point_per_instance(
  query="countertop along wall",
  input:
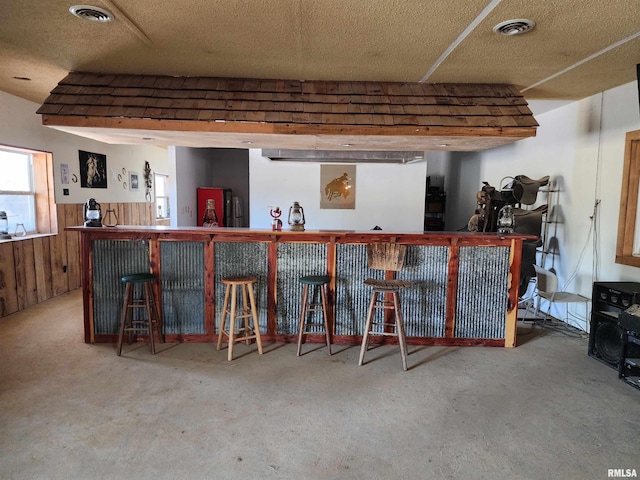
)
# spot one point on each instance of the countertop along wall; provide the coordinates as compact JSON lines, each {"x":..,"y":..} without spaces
{"x":388,"y":195}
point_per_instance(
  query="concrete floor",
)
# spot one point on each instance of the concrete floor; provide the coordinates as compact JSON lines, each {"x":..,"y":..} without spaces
{"x":544,"y":410}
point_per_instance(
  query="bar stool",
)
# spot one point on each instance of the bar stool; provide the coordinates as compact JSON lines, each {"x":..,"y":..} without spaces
{"x":385,"y":256}
{"x":319,"y":282}
{"x":251,"y":329}
{"x":147,"y":325}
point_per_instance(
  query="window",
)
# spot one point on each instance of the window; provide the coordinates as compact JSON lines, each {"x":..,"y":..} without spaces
{"x":161,"y":183}
{"x":17,"y":191}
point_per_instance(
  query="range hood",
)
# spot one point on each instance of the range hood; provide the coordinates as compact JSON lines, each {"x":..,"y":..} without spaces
{"x":337,"y":156}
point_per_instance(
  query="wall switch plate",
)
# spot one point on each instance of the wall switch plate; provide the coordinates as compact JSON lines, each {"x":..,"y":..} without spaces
{"x":65,"y":191}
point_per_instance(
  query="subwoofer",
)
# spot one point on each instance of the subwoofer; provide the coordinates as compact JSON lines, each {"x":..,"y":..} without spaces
{"x":606,"y":341}
{"x":609,"y":299}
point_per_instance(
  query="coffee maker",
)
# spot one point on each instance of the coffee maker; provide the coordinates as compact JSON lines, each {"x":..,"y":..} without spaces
{"x":92,"y":213}
{"x":4,"y":226}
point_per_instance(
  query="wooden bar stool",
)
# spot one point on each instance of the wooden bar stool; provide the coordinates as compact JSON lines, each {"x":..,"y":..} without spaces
{"x":319,"y":282}
{"x":152,"y":322}
{"x":388,"y":257}
{"x":248,"y":312}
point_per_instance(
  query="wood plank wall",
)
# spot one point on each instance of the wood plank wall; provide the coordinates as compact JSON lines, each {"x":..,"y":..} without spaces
{"x":33,"y":270}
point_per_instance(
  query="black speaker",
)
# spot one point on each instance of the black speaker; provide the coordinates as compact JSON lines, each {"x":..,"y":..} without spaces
{"x":605,"y":339}
{"x":609,"y":299}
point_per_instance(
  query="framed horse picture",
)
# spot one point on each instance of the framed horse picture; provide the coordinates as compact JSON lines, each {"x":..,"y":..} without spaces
{"x":337,"y":186}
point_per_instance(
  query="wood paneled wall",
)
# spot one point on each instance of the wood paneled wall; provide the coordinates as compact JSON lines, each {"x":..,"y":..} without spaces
{"x":35,"y":269}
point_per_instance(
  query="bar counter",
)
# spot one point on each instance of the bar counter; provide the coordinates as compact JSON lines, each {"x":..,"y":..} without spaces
{"x":464,"y":285}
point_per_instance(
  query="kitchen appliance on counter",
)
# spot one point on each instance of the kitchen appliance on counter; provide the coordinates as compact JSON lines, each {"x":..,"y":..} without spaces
{"x":4,"y":226}
{"x":222,"y":198}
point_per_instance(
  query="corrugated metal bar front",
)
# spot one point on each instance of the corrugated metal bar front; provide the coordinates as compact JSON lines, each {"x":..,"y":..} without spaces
{"x":424,"y":304}
{"x":294,"y":261}
{"x":352,"y":297}
{"x":113,"y":259}
{"x":183,"y":295}
{"x":242,"y":258}
{"x":481,"y":304}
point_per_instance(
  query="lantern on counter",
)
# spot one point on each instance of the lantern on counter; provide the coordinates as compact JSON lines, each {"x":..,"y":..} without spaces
{"x":506,"y":220}
{"x":296,"y":217}
{"x":92,"y":213}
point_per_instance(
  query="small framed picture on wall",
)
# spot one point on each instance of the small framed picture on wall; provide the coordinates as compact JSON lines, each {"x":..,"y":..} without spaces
{"x":134,"y":179}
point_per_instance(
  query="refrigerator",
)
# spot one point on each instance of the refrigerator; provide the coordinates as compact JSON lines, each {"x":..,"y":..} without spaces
{"x":223,"y":200}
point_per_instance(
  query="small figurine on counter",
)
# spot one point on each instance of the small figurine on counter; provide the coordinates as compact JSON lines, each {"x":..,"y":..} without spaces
{"x":276,"y":223}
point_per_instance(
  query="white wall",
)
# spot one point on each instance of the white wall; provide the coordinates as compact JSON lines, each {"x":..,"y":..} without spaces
{"x":21,"y":127}
{"x":390,"y":196}
{"x":581,"y":145}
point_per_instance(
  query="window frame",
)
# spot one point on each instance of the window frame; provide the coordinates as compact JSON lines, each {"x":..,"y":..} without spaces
{"x":629,"y":201}
{"x":161,"y":197}
{"x":45,"y":212}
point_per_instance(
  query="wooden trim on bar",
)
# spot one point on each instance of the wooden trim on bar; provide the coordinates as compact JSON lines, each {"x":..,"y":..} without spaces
{"x":332,"y":259}
{"x":515,"y":260}
{"x":338,"y":340}
{"x":452,"y":289}
{"x":272,"y":281}
{"x":87,"y":288}
{"x":209,"y":288}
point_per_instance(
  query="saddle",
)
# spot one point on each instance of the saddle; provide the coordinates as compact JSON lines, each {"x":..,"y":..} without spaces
{"x":525,"y":189}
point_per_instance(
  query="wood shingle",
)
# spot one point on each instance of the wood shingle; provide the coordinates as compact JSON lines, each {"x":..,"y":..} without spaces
{"x":337,"y":105}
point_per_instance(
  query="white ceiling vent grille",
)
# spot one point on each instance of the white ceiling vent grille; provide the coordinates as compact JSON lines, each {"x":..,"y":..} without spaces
{"x":514,"y":27}
{"x":93,"y":14}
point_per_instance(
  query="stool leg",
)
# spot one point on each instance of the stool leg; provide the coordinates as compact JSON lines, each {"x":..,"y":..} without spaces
{"x":125,"y":313}
{"x":147,"y":298}
{"x":131,"y":300}
{"x":303,"y":310}
{"x":254,"y":312}
{"x":325,"y":316}
{"x":156,"y":312}
{"x":223,"y":320}
{"x":232,"y":320}
{"x":367,"y":328}
{"x":400,"y":329}
{"x":245,"y":311}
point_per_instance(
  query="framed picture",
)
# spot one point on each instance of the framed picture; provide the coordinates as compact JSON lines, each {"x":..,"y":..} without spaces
{"x":338,"y":186}
{"x":93,"y":170}
{"x":134,"y":179}
{"x":64,"y":173}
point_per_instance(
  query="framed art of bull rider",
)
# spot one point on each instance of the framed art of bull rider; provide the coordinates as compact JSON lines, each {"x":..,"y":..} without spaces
{"x":338,"y":186}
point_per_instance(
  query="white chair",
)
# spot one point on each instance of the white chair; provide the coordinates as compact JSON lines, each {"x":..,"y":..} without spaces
{"x":547,"y":289}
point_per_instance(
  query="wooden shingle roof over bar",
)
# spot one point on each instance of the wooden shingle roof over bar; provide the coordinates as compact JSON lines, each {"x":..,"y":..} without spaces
{"x":425,"y":114}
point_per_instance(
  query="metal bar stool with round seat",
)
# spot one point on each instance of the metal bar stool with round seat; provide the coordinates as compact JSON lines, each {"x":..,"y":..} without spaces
{"x":250,"y":328}
{"x":309,"y":306}
{"x":388,"y":257}
{"x":131,"y":323}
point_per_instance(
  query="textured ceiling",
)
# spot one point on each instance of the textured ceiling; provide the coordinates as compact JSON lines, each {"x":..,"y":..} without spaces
{"x":578,"y":47}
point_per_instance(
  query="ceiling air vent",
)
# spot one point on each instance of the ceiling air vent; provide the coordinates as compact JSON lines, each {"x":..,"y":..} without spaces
{"x":93,"y":14}
{"x":514,"y":27}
